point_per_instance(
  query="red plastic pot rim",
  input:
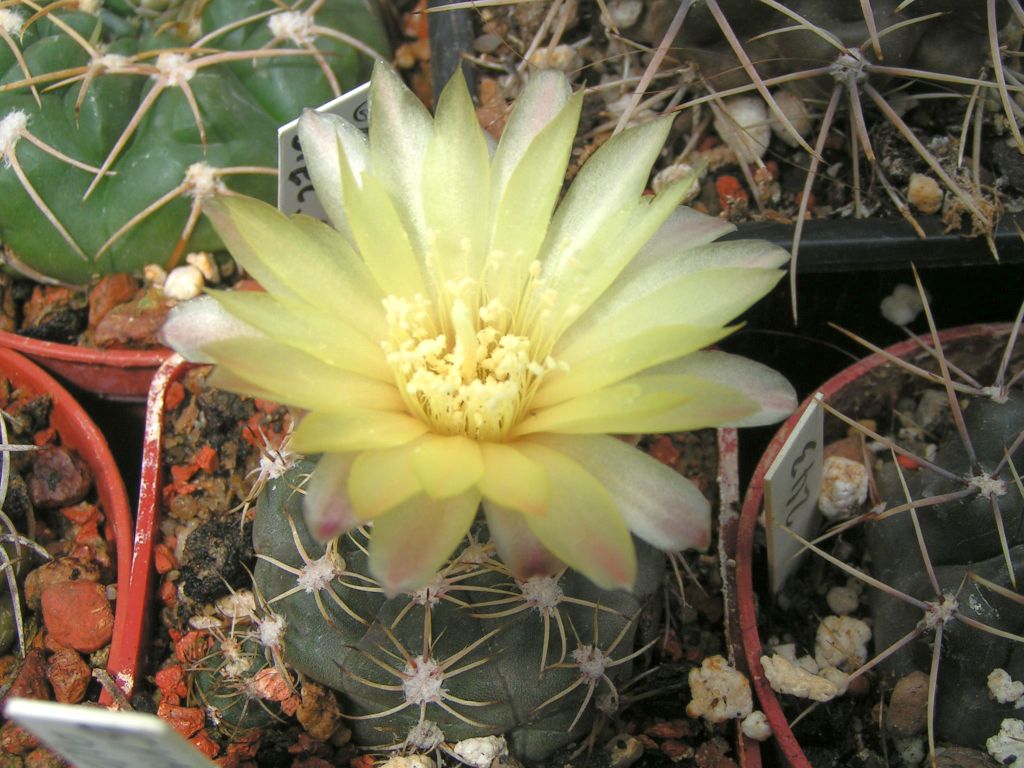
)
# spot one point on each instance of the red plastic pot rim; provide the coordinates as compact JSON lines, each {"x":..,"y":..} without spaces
{"x":749,"y":518}
{"x":123,"y":374}
{"x":78,"y":431}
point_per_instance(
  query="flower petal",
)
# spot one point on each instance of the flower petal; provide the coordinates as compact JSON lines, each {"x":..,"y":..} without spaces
{"x":380,"y":234}
{"x":298,"y":378}
{"x":289,"y":263}
{"x":520,"y":551}
{"x":621,"y":359}
{"x":400,"y":128}
{"x":583,"y":528}
{"x":456,"y":180}
{"x":381,"y":480}
{"x":512,"y":479}
{"x":644,"y":403}
{"x":326,"y":338}
{"x":655,"y":267}
{"x":355,"y":430}
{"x":326,"y":506}
{"x":591,"y":266}
{"x":446,"y":465}
{"x":530,"y":178}
{"x":323,"y":136}
{"x":659,"y":505}
{"x":710,"y":298}
{"x":773,"y":394}
{"x":191,"y":325}
{"x":435,"y":527}
{"x":610,"y":182}
{"x":542,"y":100}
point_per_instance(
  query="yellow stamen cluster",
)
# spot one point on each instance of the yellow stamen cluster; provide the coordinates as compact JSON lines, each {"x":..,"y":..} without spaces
{"x":474,"y":380}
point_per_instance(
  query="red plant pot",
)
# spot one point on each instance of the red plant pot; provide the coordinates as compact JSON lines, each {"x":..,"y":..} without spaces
{"x":118,"y":374}
{"x":77,"y":431}
{"x":746,"y":609}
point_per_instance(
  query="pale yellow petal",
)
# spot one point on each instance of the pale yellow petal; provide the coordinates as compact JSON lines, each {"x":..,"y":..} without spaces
{"x":383,"y":240}
{"x":446,"y":465}
{"x":583,"y":528}
{"x":513,"y":480}
{"x":355,"y":430}
{"x":326,"y":338}
{"x":619,"y":359}
{"x":288,"y":261}
{"x":645,"y":403}
{"x":381,"y":480}
{"x":410,"y":543}
{"x":298,"y":378}
{"x":456,"y":182}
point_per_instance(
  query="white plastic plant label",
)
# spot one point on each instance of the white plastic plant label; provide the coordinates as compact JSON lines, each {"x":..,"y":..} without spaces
{"x":791,"y":487}
{"x":295,"y":193}
{"x":93,"y":737}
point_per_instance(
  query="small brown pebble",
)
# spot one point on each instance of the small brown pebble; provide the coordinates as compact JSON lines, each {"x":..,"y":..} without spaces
{"x":78,"y":615}
{"x":30,"y":682}
{"x":907,"y":713}
{"x":185,"y":720}
{"x":55,"y":572}
{"x":674,"y":749}
{"x":44,"y":758}
{"x":58,"y":478}
{"x":712,"y":754}
{"x":69,"y":675}
{"x":15,"y":740}
{"x":924,"y":193}
{"x":108,"y":292}
{"x":318,"y":713}
{"x":669,"y":729}
{"x":133,"y":324}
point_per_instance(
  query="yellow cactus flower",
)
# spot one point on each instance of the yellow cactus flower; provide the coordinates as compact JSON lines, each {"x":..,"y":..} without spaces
{"x":457,"y":342}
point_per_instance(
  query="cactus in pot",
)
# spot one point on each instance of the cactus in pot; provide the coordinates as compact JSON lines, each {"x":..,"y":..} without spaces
{"x":117,"y":121}
{"x":462,"y":349}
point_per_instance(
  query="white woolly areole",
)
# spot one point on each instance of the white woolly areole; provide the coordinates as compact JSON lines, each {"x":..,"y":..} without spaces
{"x":271,"y":630}
{"x":423,"y":682}
{"x":425,"y":736}
{"x":292,"y":25}
{"x":113,"y":62}
{"x":317,"y":575}
{"x":988,"y":486}
{"x":11,"y":129}
{"x":202,"y":181}
{"x":542,"y":593}
{"x":91,"y":7}
{"x":432,"y":592}
{"x":592,"y":661}
{"x":11,"y":21}
{"x":174,"y":69}
{"x":940,"y":613}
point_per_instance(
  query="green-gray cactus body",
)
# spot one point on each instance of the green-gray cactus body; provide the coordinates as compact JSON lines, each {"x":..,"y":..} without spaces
{"x":472,"y":653}
{"x":235,"y":67}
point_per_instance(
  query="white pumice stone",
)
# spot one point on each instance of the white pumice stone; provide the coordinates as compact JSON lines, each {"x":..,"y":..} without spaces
{"x":742,"y":123}
{"x":842,"y":642}
{"x":842,"y":600}
{"x":481,"y":752}
{"x":183,"y":283}
{"x":719,"y":692}
{"x":785,"y":677}
{"x":755,"y":726}
{"x":1007,"y":746}
{"x":844,"y":487}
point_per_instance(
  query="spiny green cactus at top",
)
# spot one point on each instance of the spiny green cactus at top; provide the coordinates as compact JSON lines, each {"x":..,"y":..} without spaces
{"x":116,"y":122}
{"x":474,"y":652}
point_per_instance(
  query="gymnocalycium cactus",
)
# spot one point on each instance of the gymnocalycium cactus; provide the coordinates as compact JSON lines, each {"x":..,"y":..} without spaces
{"x":455,"y":345}
{"x":116,"y":122}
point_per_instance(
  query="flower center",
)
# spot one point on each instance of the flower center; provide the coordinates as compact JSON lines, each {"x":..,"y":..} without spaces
{"x":472,"y":376}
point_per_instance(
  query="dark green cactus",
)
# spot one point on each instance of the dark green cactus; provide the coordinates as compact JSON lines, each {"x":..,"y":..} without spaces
{"x":172,"y":106}
{"x":474,"y":653}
